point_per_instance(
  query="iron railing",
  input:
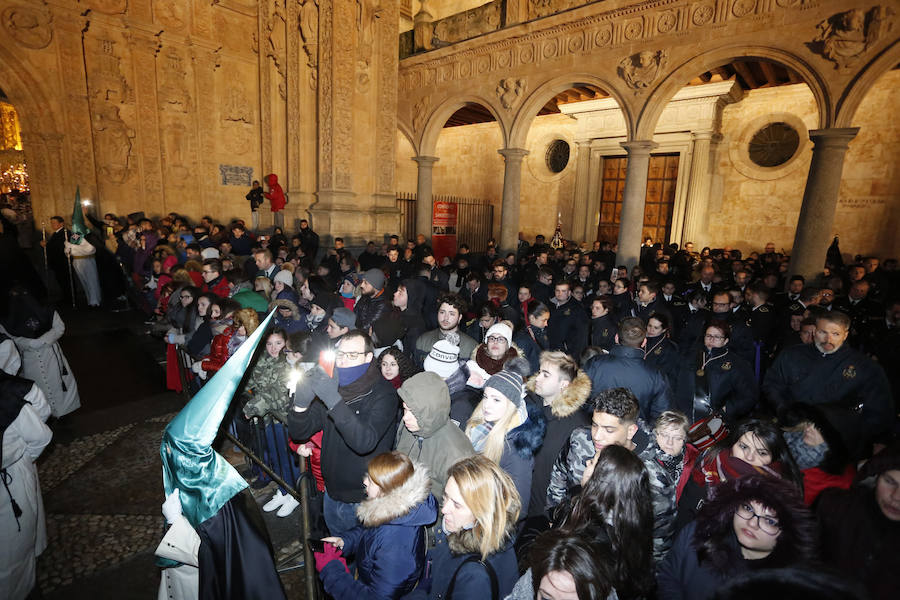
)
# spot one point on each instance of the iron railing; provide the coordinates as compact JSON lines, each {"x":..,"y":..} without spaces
{"x":475,"y":219}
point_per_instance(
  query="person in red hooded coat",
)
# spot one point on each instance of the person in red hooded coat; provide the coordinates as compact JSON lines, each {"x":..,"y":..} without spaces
{"x":276,"y":198}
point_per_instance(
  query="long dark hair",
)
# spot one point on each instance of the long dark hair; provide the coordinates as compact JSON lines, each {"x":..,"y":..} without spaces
{"x":771,"y":435}
{"x":587,"y":561}
{"x":714,"y":534}
{"x":616,"y":499}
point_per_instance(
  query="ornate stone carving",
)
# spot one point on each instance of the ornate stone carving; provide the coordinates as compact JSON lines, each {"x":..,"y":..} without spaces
{"x":641,"y":69}
{"x":510,"y":91}
{"x":703,"y":14}
{"x":113,"y":140}
{"x":28,"y":26}
{"x":108,"y":7}
{"x":274,"y":45}
{"x":237,"y":119}
{"x":309,"y":33}
{"x":171,"y":13}
{"x":420,"y":113}
{"x":365,"y":23}
{"x":667,"y":21}
{"x":106,"y":80}
{"x":844,"y":37}
{"x":541,"y":8}
{"x":174,"y":148}
{"x":742,"y":8}
{"x":173,"y":92}
{"x":468,"y":24}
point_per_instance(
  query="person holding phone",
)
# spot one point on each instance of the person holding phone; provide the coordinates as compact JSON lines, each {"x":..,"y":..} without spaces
{"x":357,"y":411}
{"x":389,"y":546}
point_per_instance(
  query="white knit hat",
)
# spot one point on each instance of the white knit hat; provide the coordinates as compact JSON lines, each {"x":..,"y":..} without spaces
{"x":501,"y":329}
{"x":443,"y":359}
{"x":285,"y":277}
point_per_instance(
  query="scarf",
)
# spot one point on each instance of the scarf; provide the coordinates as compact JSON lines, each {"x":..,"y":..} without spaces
{"x":235,"y":342}
{"x":451,"y":336}
{"x":347,"y":375}
{"x":491,"y":365}
{"x":538,"y":336}
{"x":673,"y":465}
{"x":478,"y":435}
{"x":363,"y":384}
{"x":806,"y":456}
{"x":724,"y":467}
{"x":396,"y":382}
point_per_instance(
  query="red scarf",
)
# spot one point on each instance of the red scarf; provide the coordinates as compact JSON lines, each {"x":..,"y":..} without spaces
{"x":724,"y":466}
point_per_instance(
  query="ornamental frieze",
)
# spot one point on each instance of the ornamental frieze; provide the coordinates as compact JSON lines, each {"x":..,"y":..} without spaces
{"x":593,"y":33}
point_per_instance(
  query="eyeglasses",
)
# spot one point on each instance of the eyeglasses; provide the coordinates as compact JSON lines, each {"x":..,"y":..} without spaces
{"x":208,"y":271}
{"x":714,"y":337}
{"x":496,"y":339}
{"x":670,"y":437}
{"x":187,"y":297}
{"x":348,"y":355}
{"x":769,"y":525}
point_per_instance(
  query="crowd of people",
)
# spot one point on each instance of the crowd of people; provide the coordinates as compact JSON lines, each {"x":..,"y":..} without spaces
{"x":547,"y":423}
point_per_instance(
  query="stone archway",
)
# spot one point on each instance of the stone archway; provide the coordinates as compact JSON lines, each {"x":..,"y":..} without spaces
{"x":42,"y":138}
{"x":675,"y":79}
{"x":851,"y":98}
{"x":438,"y":118}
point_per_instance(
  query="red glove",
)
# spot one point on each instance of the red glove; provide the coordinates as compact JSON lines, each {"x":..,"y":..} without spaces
{"x":331,"y":553}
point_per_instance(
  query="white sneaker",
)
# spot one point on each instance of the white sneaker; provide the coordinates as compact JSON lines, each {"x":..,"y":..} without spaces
{"x":288,"y":506}
{"x":276,"y":501}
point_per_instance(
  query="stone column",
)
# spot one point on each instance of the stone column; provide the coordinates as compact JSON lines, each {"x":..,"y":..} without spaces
{"x":509,"y":210}
{"x":581,"y":207}
{"x":694,"y":228}
{"x":814,"y":227}
{"x":424,"y":206}
{"x":595,"y":191}
{"x":631,"y":226}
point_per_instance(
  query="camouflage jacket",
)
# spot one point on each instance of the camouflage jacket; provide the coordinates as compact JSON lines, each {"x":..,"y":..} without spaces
{"x":266,"y":391}
{"x":570,"y":465}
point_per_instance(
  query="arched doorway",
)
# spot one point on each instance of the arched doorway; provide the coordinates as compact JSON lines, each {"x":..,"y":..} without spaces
{"x":15,"y":193}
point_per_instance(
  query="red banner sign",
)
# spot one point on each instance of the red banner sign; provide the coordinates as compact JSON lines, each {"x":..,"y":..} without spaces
{"x":443,"y":230}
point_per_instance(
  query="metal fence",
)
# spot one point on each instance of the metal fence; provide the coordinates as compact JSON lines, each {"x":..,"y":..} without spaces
{"x":475,"y":219}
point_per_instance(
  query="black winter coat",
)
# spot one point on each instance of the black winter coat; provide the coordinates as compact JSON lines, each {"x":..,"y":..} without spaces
{"x":624,"y":367}
{"x":368,"y":309}
{"x":732,"y":386}
{"x":356,"y":430}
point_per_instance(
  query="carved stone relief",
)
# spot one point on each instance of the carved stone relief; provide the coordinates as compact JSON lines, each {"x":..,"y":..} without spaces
{"x":113,"y":140}
{"x":641,"y":69}
{"x":467,"y":24}
{"x":420,"y":113}
{"x":171,"y":13}
{"x":365,"y":24}
{"x":107,"y":83}
{"x":175,"y":147}
{"x":173,"y":91}
{"x":844,"y":37}
{"x":28,"y":26}
{"x":237,"y":121}
{"x":274,"y":45}
{"x":510,"y":91}
{"x":309,"y":33}
{"x":108,"y":7}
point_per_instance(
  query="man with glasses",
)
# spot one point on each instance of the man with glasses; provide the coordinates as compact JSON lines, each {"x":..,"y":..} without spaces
{"x":356,"y":410}
{"x":741,"y":334}
{"x":213,"y":280}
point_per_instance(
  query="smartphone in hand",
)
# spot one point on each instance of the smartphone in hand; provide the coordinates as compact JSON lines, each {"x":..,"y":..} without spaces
{"x":315,"y":545}
{"x":326,"y":361}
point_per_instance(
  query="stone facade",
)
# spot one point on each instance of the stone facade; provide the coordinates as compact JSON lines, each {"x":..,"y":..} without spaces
{"x":175,"y":105}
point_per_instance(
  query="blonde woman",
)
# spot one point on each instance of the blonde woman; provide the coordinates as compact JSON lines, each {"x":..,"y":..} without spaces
{"x":243,"y":324}
{"x":473,"y":556}
{"x":264,"y":287}
{"x":389,"y":546}
{"x":506,"y":429}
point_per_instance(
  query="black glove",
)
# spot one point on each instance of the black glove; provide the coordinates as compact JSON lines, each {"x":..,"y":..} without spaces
{"x":303,"y":393}
{"x":325,"y":387}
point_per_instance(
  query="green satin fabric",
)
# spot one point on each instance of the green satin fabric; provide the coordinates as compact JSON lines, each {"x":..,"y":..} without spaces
{"x":204,"y":479}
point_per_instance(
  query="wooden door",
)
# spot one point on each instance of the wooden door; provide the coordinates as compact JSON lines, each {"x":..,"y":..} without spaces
{"x":659,"y":203}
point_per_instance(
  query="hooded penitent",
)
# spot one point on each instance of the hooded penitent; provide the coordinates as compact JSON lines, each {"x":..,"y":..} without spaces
{"x":205,"y":479}
{"x":79,"y":229}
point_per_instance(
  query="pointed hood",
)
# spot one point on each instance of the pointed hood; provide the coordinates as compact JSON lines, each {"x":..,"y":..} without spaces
{"x":79,"y":229}
{"x":206,"y":481}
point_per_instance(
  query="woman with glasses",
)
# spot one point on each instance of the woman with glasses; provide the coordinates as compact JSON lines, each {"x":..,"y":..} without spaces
{"x":714,"y":380}
{"x":669,"y":448}
{"x":751,"y":523}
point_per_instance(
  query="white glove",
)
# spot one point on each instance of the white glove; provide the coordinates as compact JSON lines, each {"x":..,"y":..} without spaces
{"x":203,"y":374}
{"x":197,"y":367}
{"x":171,"y":508}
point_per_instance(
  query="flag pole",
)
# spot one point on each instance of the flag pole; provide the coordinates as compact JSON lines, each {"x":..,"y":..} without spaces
{"x":71,"y":276}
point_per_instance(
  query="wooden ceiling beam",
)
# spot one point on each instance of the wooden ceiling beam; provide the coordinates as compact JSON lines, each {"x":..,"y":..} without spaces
{"x":768,"y":70}
{"x":744,"y":71}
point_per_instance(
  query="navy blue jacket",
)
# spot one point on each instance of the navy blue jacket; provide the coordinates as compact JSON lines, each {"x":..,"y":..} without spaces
{"x":390,"y":557}
{"x":625,"y":367}
{"x":472,"y":580}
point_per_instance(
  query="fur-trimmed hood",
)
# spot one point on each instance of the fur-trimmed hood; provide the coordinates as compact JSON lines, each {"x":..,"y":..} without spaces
{"x":571,"y":399}
{"x":286,"y":303}
{"x":527,"y":438}
{"x":410,"y":504}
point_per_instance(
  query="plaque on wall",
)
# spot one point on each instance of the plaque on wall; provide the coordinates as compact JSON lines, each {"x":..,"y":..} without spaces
{"x":234,"y":175}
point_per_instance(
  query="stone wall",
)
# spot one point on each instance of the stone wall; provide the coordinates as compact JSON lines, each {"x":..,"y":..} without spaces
{"x":749,"y":203}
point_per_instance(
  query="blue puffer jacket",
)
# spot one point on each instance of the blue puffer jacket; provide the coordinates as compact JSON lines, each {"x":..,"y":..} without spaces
{"x":389,"y":548}
{"x":472,"y":582}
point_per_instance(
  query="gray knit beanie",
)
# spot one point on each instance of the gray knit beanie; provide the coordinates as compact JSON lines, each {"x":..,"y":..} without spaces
{"x":509,"y":384}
